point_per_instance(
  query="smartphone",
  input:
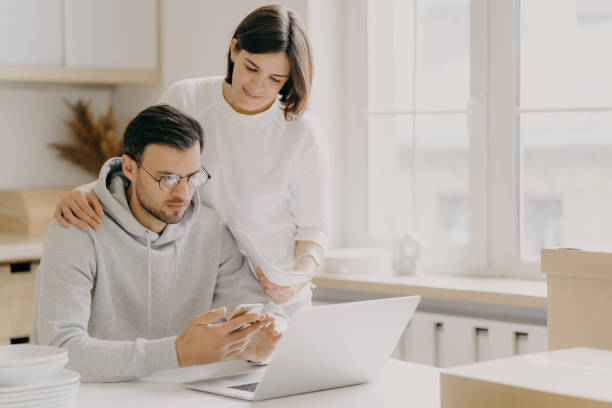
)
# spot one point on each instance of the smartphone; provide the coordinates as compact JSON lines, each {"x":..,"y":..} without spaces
{"x":243,"y":309}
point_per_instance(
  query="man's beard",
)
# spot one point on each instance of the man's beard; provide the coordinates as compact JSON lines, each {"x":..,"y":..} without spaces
{"x":159,"y":214}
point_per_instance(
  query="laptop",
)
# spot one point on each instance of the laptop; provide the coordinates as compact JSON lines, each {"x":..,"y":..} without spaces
{"x":324,"y":347}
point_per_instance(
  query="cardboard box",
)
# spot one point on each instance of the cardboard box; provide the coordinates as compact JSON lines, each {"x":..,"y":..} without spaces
{"x":579,"y":298}
{"x":28,"y":213}
{"x":579,"y":377}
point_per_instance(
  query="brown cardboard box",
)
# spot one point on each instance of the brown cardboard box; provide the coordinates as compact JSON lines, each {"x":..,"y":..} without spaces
{"x":579,"y":298}
{"x":28,"y":213}
{"x":579,"y":377}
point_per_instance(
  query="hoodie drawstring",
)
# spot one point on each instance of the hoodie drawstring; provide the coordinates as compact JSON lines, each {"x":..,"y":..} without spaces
{"x":149,"y":292}
{"x":176,"y":266}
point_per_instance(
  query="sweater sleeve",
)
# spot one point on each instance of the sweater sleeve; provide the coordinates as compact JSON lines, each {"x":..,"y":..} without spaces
{"x":65,"y":282}
{"x":309,"y":187}
{"x":236,"y":284}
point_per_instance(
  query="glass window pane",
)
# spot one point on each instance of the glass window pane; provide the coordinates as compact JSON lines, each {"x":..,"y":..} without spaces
{"x":443,"y":73}
{"x":565,"y":57}
{"x":390,"y":167}
{"x":443,"y":180}
{"x":390,"y":55}
{"x":566,"y":187}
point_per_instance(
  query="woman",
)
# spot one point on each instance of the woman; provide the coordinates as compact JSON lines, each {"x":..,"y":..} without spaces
{"x":268,"y":161}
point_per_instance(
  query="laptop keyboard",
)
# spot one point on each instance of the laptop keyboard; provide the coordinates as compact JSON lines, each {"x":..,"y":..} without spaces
{"x":246,"y":387}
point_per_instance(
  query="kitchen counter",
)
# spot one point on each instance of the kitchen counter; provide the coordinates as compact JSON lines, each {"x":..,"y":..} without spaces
{"x":500,"y":291}
{"x":18,"y":248}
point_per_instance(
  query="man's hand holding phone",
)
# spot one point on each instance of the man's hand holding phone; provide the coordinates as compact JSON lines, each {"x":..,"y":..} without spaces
{"x":205,"y":341}
{"x":262,"y":344}
{"x":243,"y":309}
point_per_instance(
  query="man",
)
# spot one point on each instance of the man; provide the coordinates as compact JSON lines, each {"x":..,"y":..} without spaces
{"x":117,"y":297}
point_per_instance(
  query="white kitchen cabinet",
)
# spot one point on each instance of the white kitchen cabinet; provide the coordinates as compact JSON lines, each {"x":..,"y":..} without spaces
{"x":17,"y":287}
{"x":31,"y":33}
{"x":111,"y":34}
{"x":80,"y":41}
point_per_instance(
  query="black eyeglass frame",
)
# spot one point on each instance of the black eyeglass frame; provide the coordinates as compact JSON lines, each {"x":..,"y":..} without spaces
{"x":208,"y":177}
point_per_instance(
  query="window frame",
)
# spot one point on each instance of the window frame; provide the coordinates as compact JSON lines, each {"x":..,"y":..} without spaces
{"x":471,"y":259}
{"x":494,"y":143}
{"x":503,"y":136}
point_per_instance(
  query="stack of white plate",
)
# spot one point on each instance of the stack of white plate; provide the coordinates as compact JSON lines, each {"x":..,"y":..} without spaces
{"x":33,"y":376}
{"x":358,"y":261}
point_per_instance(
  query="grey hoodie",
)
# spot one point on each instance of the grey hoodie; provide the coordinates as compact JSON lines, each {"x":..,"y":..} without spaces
{"x":117,"y":297}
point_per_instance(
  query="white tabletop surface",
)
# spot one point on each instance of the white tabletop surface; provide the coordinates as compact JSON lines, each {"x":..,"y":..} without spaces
{"x":400,"y":384}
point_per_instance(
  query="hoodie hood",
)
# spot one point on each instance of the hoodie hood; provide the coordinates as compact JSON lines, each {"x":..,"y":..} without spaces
{"x":111,"y":192}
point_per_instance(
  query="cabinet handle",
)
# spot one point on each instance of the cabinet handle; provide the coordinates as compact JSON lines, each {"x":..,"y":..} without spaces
{"x":20,"y":267}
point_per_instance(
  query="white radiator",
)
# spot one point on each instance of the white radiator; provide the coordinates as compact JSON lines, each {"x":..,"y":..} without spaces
{"x":445,"y":340}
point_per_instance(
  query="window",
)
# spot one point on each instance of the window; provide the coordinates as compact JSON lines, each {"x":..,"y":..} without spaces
{"x":489,"y":128}
{"x":565,"y":116}
{"x":423,"y":77}
{"x":542,"y":226}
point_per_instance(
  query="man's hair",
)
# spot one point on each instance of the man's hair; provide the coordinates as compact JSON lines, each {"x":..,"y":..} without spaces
{"x":161,"y":124}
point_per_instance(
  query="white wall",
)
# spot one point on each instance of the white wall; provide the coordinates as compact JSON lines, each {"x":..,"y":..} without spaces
{"x":328,"y":103}
{"x":31,"y":117}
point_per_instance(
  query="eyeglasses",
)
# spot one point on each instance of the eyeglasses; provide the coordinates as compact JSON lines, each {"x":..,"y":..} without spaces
{"x":172,"y":181}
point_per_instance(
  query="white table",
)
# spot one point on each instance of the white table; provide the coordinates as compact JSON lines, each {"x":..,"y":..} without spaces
{"x":400,"y":384}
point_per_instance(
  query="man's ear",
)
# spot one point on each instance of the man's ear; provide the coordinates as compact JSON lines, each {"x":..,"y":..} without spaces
{"x":129,"y":167}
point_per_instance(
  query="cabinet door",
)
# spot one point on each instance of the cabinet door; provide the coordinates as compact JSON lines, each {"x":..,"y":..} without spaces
{"x":111,"y":34}
{"x":16,"y":301}
{"x":31,"y":33}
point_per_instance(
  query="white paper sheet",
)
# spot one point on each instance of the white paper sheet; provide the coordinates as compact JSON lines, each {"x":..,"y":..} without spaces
{"x":256,"y":259}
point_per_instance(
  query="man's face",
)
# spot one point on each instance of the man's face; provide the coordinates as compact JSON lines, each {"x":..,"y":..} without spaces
{"x":162,"y":160}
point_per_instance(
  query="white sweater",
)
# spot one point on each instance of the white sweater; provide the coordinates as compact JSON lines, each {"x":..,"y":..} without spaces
{"x":269,"y":175}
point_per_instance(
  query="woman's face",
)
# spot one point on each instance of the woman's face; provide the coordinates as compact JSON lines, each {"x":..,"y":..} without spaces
{"x":257,"y":79}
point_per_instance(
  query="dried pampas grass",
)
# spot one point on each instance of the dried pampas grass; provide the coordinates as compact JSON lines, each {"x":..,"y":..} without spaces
{"x":94,"y":142}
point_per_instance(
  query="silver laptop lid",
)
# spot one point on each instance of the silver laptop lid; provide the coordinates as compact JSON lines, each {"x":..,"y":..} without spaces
{"x":336,"y":345}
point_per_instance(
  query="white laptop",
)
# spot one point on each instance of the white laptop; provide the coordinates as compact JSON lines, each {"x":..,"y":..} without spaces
{"x":324,"y":347}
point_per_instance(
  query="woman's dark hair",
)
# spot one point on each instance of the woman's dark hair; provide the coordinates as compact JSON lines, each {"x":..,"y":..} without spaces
{"x":161,"y":124}
{"x":275,"y":29}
